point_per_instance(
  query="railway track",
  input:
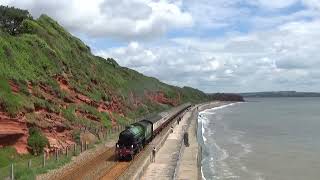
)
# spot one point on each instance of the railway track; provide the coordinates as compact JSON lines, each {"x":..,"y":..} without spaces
{"x":105,"y":166}
{"x":82,"y":170}
{"x":115,"y":171}
{"x":119,"y":167}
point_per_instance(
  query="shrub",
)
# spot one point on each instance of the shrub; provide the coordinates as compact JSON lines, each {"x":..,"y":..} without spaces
{"x":9,"y":102}
{"x":7,"y":155}
{"x":76,"y":136}
{"x":105,"y":120}
{"x":44,"y":104}
{"x":11,"y":19}
{"x":29,"y":26}
{"x":37,"y":141}
{"x":69,"y":113}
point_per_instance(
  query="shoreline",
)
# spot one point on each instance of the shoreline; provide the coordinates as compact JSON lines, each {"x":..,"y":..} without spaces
{"x":191,"y":157}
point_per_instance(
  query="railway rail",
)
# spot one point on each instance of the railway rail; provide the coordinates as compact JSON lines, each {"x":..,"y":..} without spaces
{"x":120,"y":167}
{"x":105,"y":166}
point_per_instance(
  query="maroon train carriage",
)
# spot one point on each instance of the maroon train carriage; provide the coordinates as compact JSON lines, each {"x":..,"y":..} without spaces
{"x":137,"y":135}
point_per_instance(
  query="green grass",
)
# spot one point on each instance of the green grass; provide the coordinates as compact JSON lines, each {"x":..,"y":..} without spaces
{"x":43,"y":51}
{"x":9,"y":156}
{"x":69,"y":114}
{"x":24,"y":173}
{"x":46,"y":49}
{"x":10,"y":102}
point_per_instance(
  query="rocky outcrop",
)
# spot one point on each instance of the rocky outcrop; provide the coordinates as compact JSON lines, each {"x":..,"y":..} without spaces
{"x":160,"y":97}
{"x":226,"y":97}
{"x":14,"y":132}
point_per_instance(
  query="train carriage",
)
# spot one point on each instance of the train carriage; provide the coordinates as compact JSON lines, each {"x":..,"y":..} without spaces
{"x":138,"y":134}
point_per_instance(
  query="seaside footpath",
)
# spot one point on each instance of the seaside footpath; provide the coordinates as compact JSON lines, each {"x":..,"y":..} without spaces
{"x":174,"y":160}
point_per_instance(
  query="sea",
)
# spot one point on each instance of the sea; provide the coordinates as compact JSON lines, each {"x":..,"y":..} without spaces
{"x":261,"y":139}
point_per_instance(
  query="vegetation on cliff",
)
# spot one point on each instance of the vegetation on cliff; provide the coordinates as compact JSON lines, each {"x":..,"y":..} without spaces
{"x":226,"y":97}
{"x":49,"y":79}
{"x":37,"y":141}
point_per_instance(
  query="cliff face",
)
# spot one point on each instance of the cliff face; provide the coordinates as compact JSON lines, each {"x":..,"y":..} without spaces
{"x":13,"y":132}
{"x":226,"y":97}
{"x":50,"y":79}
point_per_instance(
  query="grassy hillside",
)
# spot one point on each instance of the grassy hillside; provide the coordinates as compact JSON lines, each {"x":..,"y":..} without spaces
{"x":51,"y":80}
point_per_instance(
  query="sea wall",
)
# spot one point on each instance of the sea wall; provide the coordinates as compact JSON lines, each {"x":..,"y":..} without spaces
{"x":191,"y":156}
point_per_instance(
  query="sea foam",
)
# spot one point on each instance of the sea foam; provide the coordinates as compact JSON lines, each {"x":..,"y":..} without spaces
{"x":203,"y":121}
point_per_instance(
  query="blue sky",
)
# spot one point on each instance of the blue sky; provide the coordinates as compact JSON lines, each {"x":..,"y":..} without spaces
{"x":213,"y":45}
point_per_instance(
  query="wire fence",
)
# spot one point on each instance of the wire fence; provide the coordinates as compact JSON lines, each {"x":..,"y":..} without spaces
{"x":29,"y":168}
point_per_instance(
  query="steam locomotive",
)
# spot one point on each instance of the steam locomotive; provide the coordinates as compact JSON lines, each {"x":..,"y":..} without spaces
{"x":137,"y":135}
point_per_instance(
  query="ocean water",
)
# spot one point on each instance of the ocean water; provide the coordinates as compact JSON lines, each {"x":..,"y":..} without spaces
{"x":262,"y":139}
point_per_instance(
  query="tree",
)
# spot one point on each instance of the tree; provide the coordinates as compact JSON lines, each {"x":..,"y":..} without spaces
{"x":37,"y":141}
{"x":11,"y":19}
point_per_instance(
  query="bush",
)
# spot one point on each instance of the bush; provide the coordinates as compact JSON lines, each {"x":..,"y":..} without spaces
{"x":37,"y":141}
{"x":69,"y":113}
{"x":7,"y":155}
{"x":76,"y":136}
{"x":105,"y":119}
{"x":9,"y":102}
{"x":11,"y":19}
{"x":29,"y":26}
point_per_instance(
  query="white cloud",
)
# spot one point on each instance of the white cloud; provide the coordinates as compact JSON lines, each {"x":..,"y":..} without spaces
{"x":111,"y":18}
{"x":133,"y":56}
{"x":233,"y":46}
{"x":284,"y":58}
{"x":215,"y":14}
{"x":274,"y":4}
{"x":314,"y":4}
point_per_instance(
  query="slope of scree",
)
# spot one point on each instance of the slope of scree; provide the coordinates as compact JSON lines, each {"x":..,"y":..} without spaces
{"x":49,"y":79}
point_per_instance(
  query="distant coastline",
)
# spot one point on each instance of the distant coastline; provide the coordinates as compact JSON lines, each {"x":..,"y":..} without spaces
{"x":280,"y":94}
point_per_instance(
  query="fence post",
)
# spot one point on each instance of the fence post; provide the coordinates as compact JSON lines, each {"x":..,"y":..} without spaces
{"x":29,"y":163}
{"x":81,"y":147}
{"x":44,"y":160}
{"x":74,"y":149}
{"x":12,"y":172}
{"x":56,"y":155}
{"x":67,"y":150}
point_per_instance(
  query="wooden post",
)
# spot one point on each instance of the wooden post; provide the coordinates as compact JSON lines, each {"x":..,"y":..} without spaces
{"x":74,"y":149}
{"x":67,"y":148}
{"x":29,"y":163}
{"x":12,"y":172}
{"x":44,"y":160}
{"x":81,"y":147}
{"x":56,"y":151}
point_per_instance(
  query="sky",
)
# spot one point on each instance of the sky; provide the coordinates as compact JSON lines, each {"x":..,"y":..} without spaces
{"x":212,"y":45}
